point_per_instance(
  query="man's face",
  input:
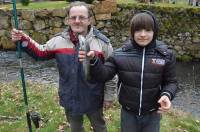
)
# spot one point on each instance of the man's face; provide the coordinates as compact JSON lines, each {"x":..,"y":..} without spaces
{"x":79,"y":19}
{"x":143,"y":37}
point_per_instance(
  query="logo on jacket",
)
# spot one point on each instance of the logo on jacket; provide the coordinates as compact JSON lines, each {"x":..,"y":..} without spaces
{"x":158,"y":61}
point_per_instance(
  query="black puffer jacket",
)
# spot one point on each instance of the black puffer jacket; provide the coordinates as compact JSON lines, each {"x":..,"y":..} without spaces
{"x":145,"y":74}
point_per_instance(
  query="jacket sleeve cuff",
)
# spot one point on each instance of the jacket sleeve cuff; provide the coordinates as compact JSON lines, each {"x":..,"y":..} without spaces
{"x":167,"y":94}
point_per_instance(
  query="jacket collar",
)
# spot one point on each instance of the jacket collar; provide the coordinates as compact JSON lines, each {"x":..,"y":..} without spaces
{"x":131,"y":44}
{"x":67,"y":34}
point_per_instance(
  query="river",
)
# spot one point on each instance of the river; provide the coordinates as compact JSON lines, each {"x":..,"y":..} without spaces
{"x":188,"y":75}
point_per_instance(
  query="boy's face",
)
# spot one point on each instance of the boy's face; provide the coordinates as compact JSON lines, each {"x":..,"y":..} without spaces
{"x":143,"y":37}
{"x":79,"y":19}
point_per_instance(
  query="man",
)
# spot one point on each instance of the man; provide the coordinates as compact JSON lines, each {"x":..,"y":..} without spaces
{"x":77,"y":95}
{"x":147,"y":76}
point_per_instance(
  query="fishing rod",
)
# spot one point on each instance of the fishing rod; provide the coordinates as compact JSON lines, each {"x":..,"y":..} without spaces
{"x":21,"y":68}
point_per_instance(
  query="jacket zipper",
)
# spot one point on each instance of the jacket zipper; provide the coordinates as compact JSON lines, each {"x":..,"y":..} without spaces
{"x":141,"y":83}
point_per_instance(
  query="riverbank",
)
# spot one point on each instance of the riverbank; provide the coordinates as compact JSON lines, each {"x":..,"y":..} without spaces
{"x":43,"y":99}
{"x":188,"y":76}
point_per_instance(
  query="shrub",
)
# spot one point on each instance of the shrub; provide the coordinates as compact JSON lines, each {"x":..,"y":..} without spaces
{"x":25,"y":2}
{"x":86,"y":1}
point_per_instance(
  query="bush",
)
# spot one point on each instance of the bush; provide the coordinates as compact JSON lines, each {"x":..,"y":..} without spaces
{"x":25,"y":2}
{"x":86,"y":1}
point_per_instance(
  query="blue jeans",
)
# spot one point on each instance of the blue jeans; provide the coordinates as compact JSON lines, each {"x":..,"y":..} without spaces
{"x":145,"y":123}
{"x":96,"y":120}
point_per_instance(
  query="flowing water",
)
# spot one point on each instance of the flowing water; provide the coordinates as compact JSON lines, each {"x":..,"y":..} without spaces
{"x":188,"y":75}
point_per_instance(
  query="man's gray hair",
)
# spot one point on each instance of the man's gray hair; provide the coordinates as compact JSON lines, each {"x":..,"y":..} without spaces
{"x":80,"y":3}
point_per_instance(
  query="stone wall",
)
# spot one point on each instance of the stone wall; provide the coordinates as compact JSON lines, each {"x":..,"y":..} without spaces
{"x":179,"y":27}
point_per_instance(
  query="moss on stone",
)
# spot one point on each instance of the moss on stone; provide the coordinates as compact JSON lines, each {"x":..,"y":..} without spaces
{"x":184,"y":58}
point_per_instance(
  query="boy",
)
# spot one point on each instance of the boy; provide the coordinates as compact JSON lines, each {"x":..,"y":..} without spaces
{"x":146,"y":71}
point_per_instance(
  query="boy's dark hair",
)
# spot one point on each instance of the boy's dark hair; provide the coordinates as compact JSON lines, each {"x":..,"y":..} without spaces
{"x":144,"y":20}
{"x":80,"y":3}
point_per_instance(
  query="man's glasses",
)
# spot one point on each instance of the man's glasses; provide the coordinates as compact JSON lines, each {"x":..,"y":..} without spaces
{"x":80,"y":18}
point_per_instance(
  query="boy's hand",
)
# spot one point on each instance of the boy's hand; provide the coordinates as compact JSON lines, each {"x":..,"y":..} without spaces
{"x":165,"y":104}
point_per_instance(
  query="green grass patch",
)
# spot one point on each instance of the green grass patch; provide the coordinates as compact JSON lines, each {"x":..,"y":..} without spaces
{"x":39,"y":5}
{"x":178,"y":121}
{"x":44,"y":99}
{"x":126,"y":1}
{"x":62,"y":4}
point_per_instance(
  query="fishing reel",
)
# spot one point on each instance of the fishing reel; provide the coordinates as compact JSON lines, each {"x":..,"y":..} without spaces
{"x":36,"y":118}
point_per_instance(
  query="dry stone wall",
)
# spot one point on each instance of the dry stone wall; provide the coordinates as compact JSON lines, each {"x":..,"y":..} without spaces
{"x":179,"y":28}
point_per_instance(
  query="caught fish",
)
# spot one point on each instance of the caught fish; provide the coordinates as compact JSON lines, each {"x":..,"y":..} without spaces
{"x":84,"y":46}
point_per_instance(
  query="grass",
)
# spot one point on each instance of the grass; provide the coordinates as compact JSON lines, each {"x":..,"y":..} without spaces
{"x":178,"y":121}
{"x":126,"y":1}
{"x":39,"y":5}
{"x":44,"y":99}
{"x":62,"y":4}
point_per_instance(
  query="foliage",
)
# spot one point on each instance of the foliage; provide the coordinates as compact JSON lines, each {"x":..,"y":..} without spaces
{"x":88,"y":1}
{"x":184,"y":58}
{"x":43,"y":99}
{"x":25,"y":2}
